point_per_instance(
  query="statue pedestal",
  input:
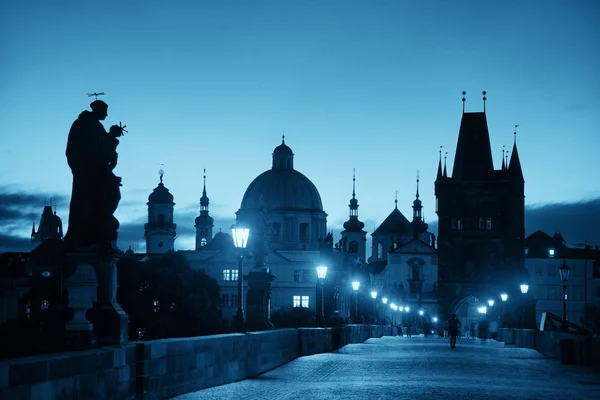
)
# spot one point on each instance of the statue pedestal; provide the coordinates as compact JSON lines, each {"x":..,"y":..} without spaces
{"x":258,"y":300}
{"x":109,"y":322}
{"x":81,"y":287}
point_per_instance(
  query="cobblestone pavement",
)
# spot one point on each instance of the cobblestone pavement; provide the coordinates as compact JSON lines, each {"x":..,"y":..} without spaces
{"x":417,"y":368}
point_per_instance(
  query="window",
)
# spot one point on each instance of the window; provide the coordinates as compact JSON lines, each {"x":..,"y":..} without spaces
{"x":488,"y":223}
{"x":203,"y":242}
{"x":297,"y":275}
{"x":459,"y":223}
{"x":353,"y":247}
{"x":234,"y":300}
{"x":156,"y":305}
{"x":453,"y":224}
{"x":296,"y":301}
{"x":380,"y":251}
{"x":305,"y":301}
{"x":161,"y":219}
{"x":225,"y":300}
{"x":481,"y":223}
{"x":551,"y":252}
{"x":226,"y":274}
{"x":305,"y":275}
{"x":303,"y":232}
{"x":526,"y":251}
{"x":234,"y":274}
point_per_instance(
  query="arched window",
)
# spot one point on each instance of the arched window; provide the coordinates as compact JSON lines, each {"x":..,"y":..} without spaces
{"x":161,"y":219}
{"x":304,"y":232}
{"x":203,"y":242}
{"x":353,"y":247}
{"x":380,"y":251}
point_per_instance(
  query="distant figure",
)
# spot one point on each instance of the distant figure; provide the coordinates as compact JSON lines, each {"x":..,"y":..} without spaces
{"x":453,"y":324}
{"x":91,"y":155}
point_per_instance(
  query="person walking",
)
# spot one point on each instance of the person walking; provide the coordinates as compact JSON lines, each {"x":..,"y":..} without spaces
{"x":453,"y":324}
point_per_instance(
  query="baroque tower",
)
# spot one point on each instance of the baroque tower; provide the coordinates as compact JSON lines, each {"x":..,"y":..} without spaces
{"x":354,"y":238}
{"x":480,"y":210}
{"x":204,"y":222}
{"x":159,"y":231}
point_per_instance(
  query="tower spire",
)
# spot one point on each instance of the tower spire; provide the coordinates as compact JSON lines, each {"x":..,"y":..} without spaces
{"x":445,"y":169}
{"x":464,"y":99}
{"x":503,"y":163}
{"x":354,"y":183}
{"x":439,"y":170}
{"x":417,"y":184}
{"x":353,"y":224}
{"x":515,"y":163}
{"x":396,"y":201}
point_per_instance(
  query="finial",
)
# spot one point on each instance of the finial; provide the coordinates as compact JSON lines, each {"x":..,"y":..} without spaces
{"x":441,"y":147}
{"x":484,"y":99}
{"x":283,"y":137}
{"x":507,"y":152}
{"x":417,"y":184}
{"x":161,"y":172}
{"x":396,"y":200}
{"x":95,"y":95}
{"x":464,"y":99}
{"x":353,"y":182}
{"x":515,"y":134}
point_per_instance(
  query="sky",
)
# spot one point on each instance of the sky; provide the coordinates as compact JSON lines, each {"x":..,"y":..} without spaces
{"x":371,"y":85}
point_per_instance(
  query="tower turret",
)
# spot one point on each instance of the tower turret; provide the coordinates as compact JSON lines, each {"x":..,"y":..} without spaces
{"x":354,"y":238}
{"x":50,"y":227}
{"x":283,"y":156}
{"x":160,"y":231}
{"x":204,"y":222}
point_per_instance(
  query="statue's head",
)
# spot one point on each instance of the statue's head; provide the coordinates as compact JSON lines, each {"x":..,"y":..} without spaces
{"x":99,"y":109}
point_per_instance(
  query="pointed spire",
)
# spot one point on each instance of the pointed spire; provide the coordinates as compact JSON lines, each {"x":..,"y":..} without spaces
{"x":515,"y":163}
{"x":484,"y":99}
{"x":439,"y":171}
{"x":503,"y":151}
{"x":204,"y":201}
{"x":396,"y":201}
{"x":353,"y":183}
{"x":33,"y":230}
{"x":464,"y":99}
{"x":445,"y":169}
{"x":353,"y":202}
{"x":417,"y":184}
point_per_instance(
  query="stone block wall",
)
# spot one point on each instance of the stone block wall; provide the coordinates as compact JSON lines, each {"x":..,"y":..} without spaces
{"x":161,"y":369}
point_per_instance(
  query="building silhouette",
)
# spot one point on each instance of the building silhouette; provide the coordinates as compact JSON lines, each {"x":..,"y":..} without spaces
{"x":160,"y":230}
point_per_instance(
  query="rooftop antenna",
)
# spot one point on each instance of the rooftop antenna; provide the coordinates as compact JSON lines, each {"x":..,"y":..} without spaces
{"x":161,"y":172}
{"x":464,"y":99}
{"x":484,"y":99}
{"x":95,"y":95}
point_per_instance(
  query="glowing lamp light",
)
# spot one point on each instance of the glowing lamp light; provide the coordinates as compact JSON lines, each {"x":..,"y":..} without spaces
{"x":524,"y":288}
{"x":407,"y":309}
{"x":434,"y":319}
{"x":504,"y":296}
{"x":355,"y":285}
{"x":384,"y":300}
{"x":421,"y":312}
{"x":491,"y":303}
{"x":374,"y":294}
{"x":321,"y":271}
{"x":564,"y":272}
{"x":240,"y":236}
{"x":401,"y":308}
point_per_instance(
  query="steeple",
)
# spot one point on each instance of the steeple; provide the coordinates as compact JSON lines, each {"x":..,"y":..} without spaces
{"x":417,"y":205}
{"x":353,"y":224}
{"x":204,"y":222}
{"x":160,"y":230}
{"x":503,"y":163}
{"x":473,"y":157}
{"x":33,"y":231}
{"x":439,"y":170}
{"x":514,"y":167}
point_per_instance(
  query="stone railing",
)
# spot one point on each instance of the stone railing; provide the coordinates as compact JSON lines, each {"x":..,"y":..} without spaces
{"x":160,"y":369}
{"x":567,"y":347}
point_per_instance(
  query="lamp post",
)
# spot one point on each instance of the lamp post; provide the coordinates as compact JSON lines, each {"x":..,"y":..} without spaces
{"x":503,"y":297}
{"x":240,"y":240}
{"x":524,"y":289}
{"x":355,"y":287}
{"x":374,"y":297}
{"x":564,"y":272}
{"x":321,"y":274}
{"x":384,"y":301}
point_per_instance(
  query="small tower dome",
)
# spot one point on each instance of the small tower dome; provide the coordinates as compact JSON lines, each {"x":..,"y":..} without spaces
{"x":160,"y":230}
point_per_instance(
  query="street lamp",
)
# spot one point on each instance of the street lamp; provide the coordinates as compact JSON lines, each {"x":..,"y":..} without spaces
{"x":384,"y":300}
{"x":321,"y":274}
{"x":355,"y":287}
{"x":491,"y":302}
{"x":504,"y":296}
{"x":374,"y":297}
{"x":524,"y":288}
{"x":564,"y":272}
{"x":240,"y":240}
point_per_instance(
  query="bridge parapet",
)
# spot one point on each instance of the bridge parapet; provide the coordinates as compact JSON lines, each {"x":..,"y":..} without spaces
{"x":164,"y":368}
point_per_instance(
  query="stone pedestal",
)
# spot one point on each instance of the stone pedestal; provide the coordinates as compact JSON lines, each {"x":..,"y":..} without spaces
{"x":258,"y":300}
{"x":94,"y":300}
{"x":81,"y":286}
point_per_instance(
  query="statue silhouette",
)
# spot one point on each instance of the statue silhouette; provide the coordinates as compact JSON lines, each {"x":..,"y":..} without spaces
{"x":92,"y":156}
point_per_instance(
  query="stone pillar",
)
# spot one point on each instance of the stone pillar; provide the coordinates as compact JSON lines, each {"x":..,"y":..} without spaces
{"x":81,"y":286}
{"x":258,"y":298}
{"x":111,"y":323}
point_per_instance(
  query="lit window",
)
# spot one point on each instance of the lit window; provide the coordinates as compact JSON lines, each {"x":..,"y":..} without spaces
{"x":551,"y":252}
{"x":296,"y":301}
{"x":305,"y":301}
{"x":234,"y":274}
{"x":380,"y":251}
{"x":488,"y":223}
{"x":203,"y":242}
{"x":156,"y":305}
{"x":305,"y":275}
{"x":526,"y":251}
{"x":226,"y":275}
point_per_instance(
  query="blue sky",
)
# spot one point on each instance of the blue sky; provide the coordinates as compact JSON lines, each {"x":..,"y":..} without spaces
{"x":371,"y":85}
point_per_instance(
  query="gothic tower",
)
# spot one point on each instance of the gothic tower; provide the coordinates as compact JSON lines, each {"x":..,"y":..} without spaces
{"x":204,"y":223}
{"x":50,"y":227}
{"x":354,"y":238}
{"x":159,"y":231}
{"x":480,"y":213}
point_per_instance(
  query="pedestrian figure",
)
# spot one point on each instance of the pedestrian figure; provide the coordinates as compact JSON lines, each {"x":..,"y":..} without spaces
{"x":453,"y":325}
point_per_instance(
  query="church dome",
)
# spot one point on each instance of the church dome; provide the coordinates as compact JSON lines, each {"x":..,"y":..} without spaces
{"x":282,"y":189}
{"x":160,"y":195}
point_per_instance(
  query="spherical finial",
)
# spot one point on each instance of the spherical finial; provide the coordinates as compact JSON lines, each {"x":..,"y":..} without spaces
{"x":484,"y":93}
{"x":161,"y":172}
